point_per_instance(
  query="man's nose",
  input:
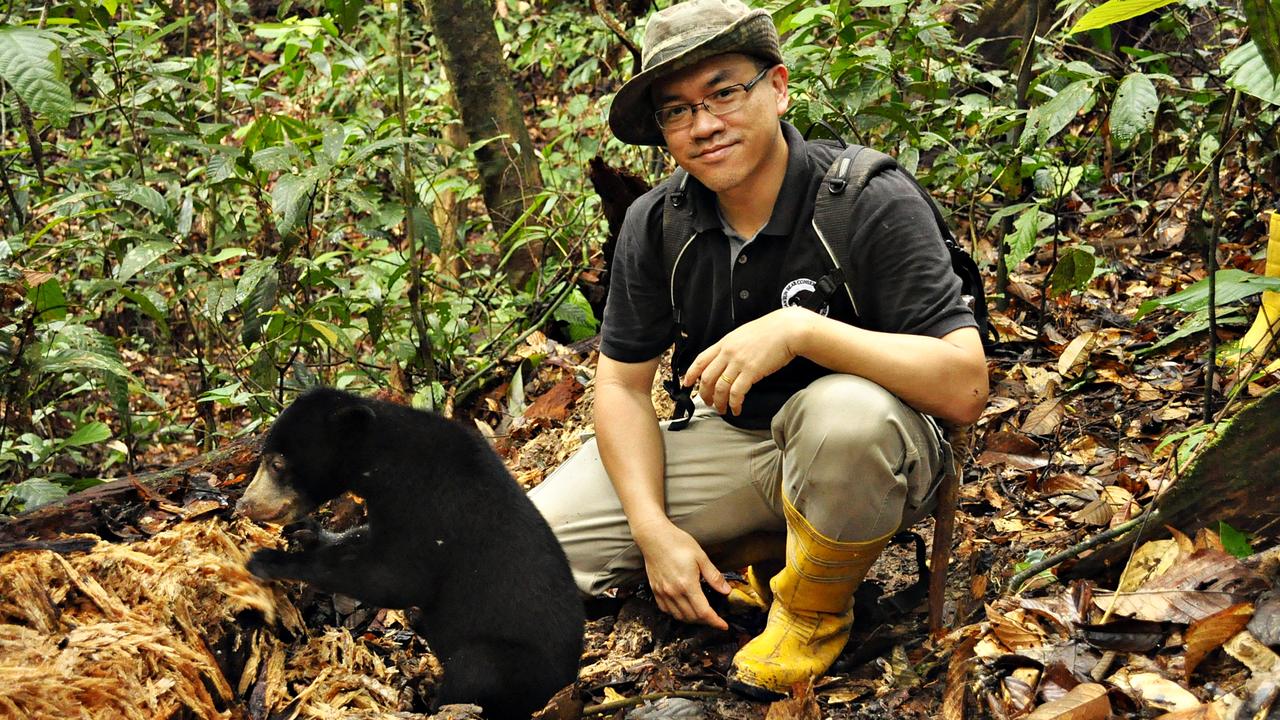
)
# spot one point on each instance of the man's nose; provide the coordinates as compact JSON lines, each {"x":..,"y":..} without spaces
{"x":705,"y":122}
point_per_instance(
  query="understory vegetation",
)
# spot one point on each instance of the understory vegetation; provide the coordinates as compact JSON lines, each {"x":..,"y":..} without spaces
{"x":211,"y":204}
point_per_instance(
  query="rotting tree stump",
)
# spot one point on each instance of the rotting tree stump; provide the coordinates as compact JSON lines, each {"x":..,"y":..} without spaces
{"x":1235,"y":479}
{"x":108,"y":509}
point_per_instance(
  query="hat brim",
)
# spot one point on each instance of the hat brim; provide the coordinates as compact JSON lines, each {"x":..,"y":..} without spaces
{"x":631,"y":113}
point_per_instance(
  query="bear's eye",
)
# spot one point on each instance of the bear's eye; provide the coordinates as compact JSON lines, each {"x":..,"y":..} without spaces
{"x":277,"y":463}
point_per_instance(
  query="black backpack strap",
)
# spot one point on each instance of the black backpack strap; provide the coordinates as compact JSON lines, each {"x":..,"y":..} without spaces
{"x":849,"y":173}
{"x":677,"y":233}
{"x":833,"y":217}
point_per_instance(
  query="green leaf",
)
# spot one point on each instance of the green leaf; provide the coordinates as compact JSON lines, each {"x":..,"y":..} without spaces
{"x":291,"y":199}
{"x":144,"y":196}
{"x":219,"y":298}
{"x":1074,"y":271}
{"x":335,"y":136}
{"x":576,"y":312}
{"x":1133,"y":112}
{"x":1025,"y":231}
{"x":1233,"y":285}
{"x":49,"y":302}
{"x":1250,"y":75}
{"x":1264,"y":29}
{"x":1234,"y":541}
{"x":1057,"y":181}
{"x":139,"y":257}
{"x":32,"y":65}
{"x":80,"y":360}
{"x":1113,"y":11}
{"x":1050,"y":118}
{"x":425,"y":228}
{"x":88,"y":434}
{"x":36,"y":492}
{"x":262,"y":300}
{"x":110,"y":6}
{"x":222,"y":167}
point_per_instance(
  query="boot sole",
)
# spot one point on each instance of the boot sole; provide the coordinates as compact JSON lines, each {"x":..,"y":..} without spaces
{"x":754,"y":693}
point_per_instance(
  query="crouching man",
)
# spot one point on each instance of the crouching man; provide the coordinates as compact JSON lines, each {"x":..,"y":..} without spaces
{"x":814,"y":427}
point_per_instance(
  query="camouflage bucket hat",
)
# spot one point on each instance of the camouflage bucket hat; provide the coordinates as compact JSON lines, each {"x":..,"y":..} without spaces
{"x":679,"y":36}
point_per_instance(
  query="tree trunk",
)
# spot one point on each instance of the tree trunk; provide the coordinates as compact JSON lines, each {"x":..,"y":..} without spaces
{"x":114,"y":508}
{"x":1235,"y":480}
{"x":487,"y":101}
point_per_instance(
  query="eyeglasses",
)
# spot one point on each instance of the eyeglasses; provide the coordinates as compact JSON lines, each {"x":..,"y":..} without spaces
{"x":719,"y":103}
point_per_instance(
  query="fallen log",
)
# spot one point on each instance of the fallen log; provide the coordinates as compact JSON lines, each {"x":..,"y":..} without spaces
{"x":111,"y":510}
{"x":1233,"y":480}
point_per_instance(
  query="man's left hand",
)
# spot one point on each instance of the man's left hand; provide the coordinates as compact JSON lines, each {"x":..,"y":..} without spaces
{"x":726,"y":371}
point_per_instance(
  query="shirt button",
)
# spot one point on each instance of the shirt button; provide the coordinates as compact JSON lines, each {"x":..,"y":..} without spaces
{"x":742,"y":259}
{"x":744,"y":294}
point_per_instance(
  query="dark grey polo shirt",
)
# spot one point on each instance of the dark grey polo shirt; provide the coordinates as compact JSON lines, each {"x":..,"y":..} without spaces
{"x":898,"y":266}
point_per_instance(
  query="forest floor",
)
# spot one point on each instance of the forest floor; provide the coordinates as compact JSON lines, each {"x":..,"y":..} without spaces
{"x":1086,"y":419}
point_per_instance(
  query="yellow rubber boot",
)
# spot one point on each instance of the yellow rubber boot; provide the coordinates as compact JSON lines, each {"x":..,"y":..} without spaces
{"x":1261,"y":336}
{"x":811,"y":612}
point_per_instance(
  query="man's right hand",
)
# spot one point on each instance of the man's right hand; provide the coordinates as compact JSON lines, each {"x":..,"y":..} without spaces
{"x":676,"y":565}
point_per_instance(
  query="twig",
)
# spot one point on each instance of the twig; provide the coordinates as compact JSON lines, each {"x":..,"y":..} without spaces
{"x":1115,"y":532}
{"x":638,"y":699}
{"x":613,"y":24}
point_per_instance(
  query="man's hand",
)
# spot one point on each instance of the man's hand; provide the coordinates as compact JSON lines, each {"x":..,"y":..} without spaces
{"x":676,"y":565}
{"x":726,"y":371}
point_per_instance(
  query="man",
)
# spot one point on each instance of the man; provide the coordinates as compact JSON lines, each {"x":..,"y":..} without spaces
{"x":811,"y":425}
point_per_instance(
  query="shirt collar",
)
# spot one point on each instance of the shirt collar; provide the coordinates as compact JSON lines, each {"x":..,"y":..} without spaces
{"x":790,"y":202}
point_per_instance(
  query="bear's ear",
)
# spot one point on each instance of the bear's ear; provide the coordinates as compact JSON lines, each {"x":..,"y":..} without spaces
{"x":352,"y":417}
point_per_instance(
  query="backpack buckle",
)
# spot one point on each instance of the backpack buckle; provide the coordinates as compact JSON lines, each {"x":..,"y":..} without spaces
{"x":837,"y":186}
{"x":683,"y":397}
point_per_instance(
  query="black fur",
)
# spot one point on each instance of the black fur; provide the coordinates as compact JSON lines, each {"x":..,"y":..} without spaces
{"x":449,"y":532}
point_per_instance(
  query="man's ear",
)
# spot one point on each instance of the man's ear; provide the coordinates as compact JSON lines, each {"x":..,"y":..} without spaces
{"x":778,"y":81}
{"x":353,"y":417}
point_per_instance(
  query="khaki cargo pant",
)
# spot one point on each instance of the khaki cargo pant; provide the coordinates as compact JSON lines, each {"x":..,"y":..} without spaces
{"x":850,"y":456}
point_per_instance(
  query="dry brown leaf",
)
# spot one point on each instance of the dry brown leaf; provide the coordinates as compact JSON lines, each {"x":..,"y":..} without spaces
{"x":553,"y":405}
{"x":1195,"y":587}
{"x":958,"y":679}
{"x":1084,"y":702}
{"x":1206,"y":635}
{"x":1013,"y":449}
{"x":1211,"y":711}
{"x":1257,"y":657}
{"x":801,"y":706}
{"x":1074,"y":360}
{"x":1014,"y":629}
{"x":1161,"y":692}
{"x":1044,"y":418}
{"x":1096,"y":512}
{"x":998,"y":405}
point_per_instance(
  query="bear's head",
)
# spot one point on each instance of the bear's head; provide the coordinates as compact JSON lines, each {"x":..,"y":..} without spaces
{"x":305,"y":455}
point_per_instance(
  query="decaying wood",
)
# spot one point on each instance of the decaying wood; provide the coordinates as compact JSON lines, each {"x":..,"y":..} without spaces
{"x":1234,"y":480}
{"x":98,"y":510}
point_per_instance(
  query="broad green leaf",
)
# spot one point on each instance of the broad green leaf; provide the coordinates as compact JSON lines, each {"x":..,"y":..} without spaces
{"x":32,"y":65}
{"x":36,"y":492}
{"x":110,"y":6}
{"x":1113,"y":11}
{"x":261,"y":301}
{"x":1025,"y":231}
{"x":425,"y":228}
{"x":335,"y":136}
{"x":88,"y":434}
{"x":80,"y":360}
{"x":277,"y":158}
{"x":1073,"y":272}
{"x":1232,"y":285}
{"x":219,"y":297}
{"x":1133,"y":112}
{"x":1057,"y":181}
{"x":252,"y":275}
{"x":1234,"y":541}
{"x":49,"y":301}
{"x":324,"y":330}
{"x":291,"y":199}
{"x":144,"y":196}
{"x":576,"y":312}
{"x":1050,"y":118}
{"x":1250,"y":75}
{"x":222,"y":167}
{"x":139,"y":257}
{"x":1264,"y":31}
{"x":186,"y":214}
{"x":1193,"y":324}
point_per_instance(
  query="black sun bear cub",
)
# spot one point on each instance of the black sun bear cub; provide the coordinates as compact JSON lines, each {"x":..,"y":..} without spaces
{"x":449,"y":532}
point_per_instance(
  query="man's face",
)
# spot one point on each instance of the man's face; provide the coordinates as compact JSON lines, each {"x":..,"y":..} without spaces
{"x":723,"y":151}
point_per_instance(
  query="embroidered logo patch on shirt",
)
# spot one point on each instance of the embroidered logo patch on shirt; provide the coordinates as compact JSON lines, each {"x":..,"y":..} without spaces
{"x":797,"y":292}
